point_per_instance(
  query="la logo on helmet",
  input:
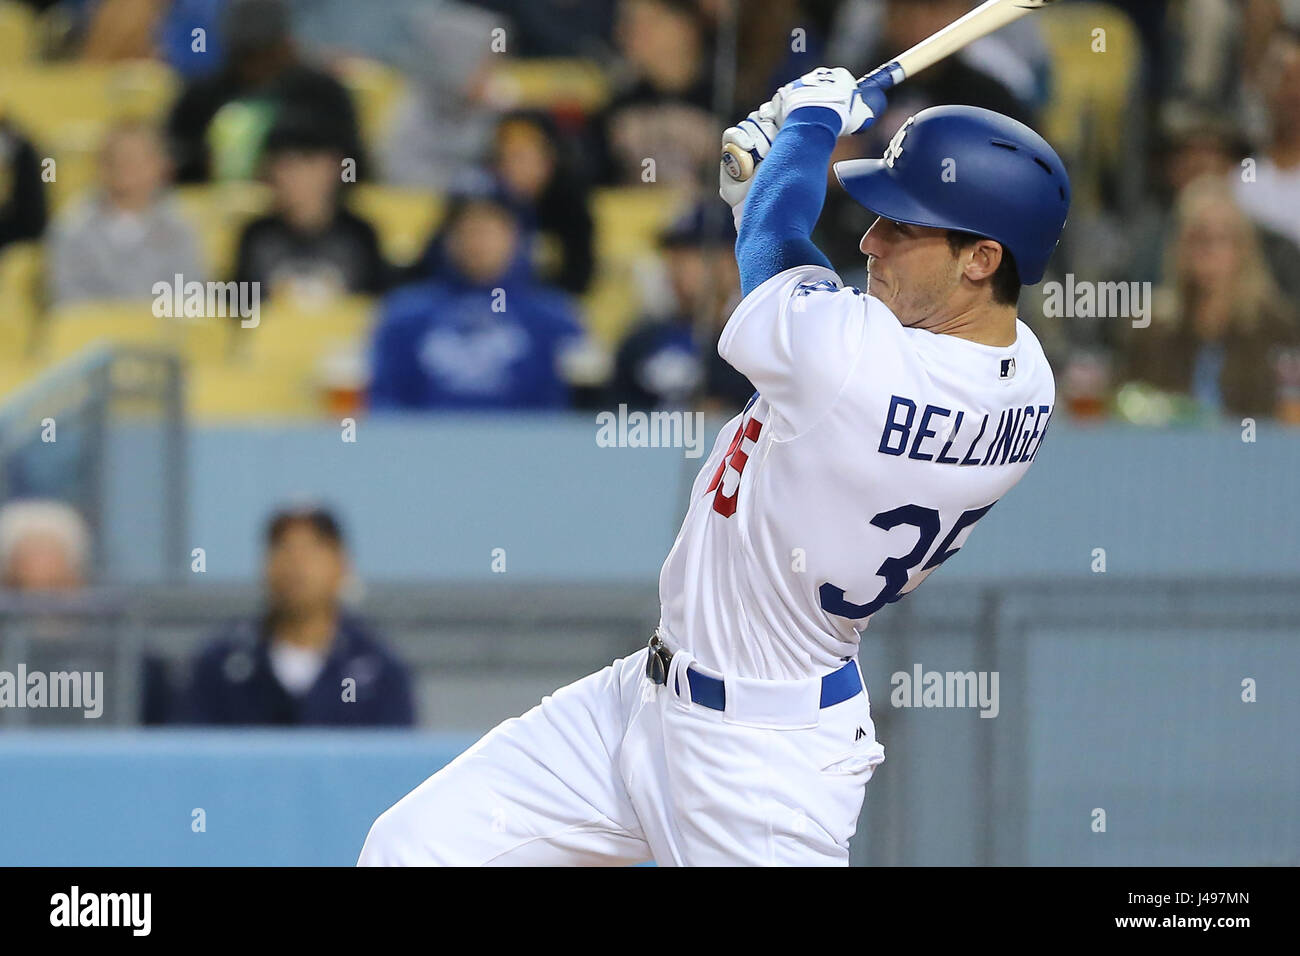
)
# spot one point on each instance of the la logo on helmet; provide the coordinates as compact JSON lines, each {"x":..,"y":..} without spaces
{"x":895,"y":148}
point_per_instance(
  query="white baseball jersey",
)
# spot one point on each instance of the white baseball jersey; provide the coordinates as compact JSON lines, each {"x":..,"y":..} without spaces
{"x":862,"y":464}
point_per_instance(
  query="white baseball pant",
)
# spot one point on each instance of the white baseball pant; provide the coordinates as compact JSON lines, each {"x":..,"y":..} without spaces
{"x":615,"y":769}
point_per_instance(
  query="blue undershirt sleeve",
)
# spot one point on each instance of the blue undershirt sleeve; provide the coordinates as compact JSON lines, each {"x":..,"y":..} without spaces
{"x":786,"y":199}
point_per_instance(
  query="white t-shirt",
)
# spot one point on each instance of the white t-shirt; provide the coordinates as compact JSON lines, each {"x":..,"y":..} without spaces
{"x":865,"y":458}
{"x":296,"y":668}
{"x":1273,"y":199}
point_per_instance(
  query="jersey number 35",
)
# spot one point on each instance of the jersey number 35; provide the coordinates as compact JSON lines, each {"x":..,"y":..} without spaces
{"x":897,"y":571}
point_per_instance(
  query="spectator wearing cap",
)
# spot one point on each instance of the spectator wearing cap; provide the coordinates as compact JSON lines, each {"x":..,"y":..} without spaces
{"x":263,"y":82}
{"x":128,"y":234}
{"x":305,"y":661}
{"x":310,"y":241}
{"x":670,"y":359}
{"x":482,"y":332}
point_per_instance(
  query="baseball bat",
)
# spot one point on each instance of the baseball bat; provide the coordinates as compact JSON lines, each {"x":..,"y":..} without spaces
{"x":983,"y":20}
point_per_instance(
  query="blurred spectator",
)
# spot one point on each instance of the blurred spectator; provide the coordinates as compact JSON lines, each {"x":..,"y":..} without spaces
{"x":307,"y":661}
{"x":175,"y":37}
{"x":442,"y":129}
{"x":1004,"y":77}
{"x":559,"y":28}
{"x":532,"y":162}
{"x":663,"y":112}
{"x":310,"y":243}
{"x":44,"y":546}
{"x":22,"y":194}
{"x":669,"y":360}
{"x":1221,"y":333}
{"x":218,"y":124}
{"x":1196,"y":143}
{"x":1273,"y":197}
{"x":482,"y":333}
{"x":773,"y":52}
{"x":122,"y":30}
{"x":116,"y":243}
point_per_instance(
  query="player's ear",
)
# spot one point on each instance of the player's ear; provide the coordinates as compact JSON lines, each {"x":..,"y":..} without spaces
{"x":985,"y":257}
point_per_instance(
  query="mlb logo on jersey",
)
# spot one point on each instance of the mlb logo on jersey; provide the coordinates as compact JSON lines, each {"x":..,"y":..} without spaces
{"x":1008,"y":369}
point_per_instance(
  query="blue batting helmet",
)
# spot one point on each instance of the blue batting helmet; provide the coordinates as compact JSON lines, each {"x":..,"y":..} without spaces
{"x":972,"y":170}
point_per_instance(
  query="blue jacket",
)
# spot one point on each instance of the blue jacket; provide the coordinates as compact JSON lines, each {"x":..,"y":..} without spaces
{"x":233,"y":683}
{"x":449,"y":343}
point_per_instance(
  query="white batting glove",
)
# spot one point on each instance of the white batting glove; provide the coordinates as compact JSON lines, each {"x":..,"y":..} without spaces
{"x":834,"y":88}
{"x":754,"y":134}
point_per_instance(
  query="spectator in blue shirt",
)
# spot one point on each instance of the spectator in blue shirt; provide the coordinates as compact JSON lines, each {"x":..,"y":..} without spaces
{"x":306,"y":662}
{"x":671,"y":360}
{"x":483,"y":333}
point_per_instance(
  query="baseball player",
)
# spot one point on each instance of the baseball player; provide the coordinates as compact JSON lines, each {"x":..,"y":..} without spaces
{"x":886,"y":424}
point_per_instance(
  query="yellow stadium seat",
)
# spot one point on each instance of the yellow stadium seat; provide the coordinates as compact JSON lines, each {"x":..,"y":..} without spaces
{"x":65,"y":109}
{"x":71,"y":328}
{"x":46,"y":97}
{"x":284,"y":367}
{"x":628,"y":222}
{"x":376,"y":89}
{"x":1092,"y":90}
{"x":248,"y":391}
{"x":15,"y":373}
{"x":305,"y":330}
{"x":219,"y":212}
{"x":404,"y":218}
{"x":17,"y":33}
{"x":557,"y":84}
{"x":22,"y":267}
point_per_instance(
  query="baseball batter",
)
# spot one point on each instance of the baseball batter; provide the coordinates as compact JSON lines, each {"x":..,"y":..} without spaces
{"x":886,"y":425}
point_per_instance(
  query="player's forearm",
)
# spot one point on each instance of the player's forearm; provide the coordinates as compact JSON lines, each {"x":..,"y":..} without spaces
{"x":786,"y":200}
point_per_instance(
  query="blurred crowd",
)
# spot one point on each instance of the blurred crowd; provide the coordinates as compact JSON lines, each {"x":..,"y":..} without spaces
{"x":304,"y":659}
{"x":1179,"y":121}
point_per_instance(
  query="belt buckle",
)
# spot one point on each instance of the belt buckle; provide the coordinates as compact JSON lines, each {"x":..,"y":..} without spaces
{"x":656,"y":665}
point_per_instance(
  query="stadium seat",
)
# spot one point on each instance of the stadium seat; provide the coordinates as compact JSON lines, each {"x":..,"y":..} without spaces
{"x":628,"y":223}
{"x":71,"y":328}
{"x":578,"y":86}
{"x":404,"y":218}
{"x":65,"y":108}
{"x":22,"y":267}
{"x":376,"y":89}
{"x":1092,"y":93}
{"x":219,"y":212}
{"x":282,"y":368}
{"x":16,"y":372}
{"x":17,"y":33}
{"x":247,"y":391}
